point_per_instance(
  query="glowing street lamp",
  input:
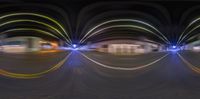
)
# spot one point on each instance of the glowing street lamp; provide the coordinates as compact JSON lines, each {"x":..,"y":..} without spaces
{"x":173,"y":46}
{"x":74,"y":45}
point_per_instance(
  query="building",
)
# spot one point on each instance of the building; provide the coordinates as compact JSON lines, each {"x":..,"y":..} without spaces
{"x":26,"y":44}
{"x":194,"y":46}
{"x":126,"y":47}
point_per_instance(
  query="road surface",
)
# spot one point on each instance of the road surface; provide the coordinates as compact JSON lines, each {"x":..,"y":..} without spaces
{"x":80,"y":78}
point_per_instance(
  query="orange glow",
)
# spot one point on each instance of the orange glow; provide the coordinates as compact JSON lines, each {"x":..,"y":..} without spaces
{"x":54,"y":45}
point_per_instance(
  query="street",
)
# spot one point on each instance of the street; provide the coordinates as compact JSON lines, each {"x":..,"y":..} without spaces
{"x":80,"y":78}
{"x":86,"y":49}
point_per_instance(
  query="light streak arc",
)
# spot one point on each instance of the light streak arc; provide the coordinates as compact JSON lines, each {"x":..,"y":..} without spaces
{"x":118,"y":20}
{"x":122,"y":68}
{"x":190,"y":24}
{"x":32,"y":29}
{"x":188,"y":33}
{"x":27,"y":20}
{"x":39,"y":15}
{"x":194,"y":68}
{"x":34,"y":75}
{"x":131,"y":26}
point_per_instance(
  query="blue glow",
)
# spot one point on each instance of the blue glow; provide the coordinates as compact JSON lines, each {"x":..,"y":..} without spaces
{"x":174,"y":48}
{"x":74,"y":60}
{"x":74,"y":45}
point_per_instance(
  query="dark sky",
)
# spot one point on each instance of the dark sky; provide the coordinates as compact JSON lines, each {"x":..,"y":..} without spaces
{"x":176,"y":8}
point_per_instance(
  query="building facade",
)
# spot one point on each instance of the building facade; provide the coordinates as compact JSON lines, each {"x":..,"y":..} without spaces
{"x":126,"y":47}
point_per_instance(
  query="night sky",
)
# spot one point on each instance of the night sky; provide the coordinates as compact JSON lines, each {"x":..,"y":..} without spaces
{"x":78,"y":16}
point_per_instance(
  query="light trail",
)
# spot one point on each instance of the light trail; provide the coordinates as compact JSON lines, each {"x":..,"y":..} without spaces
{"x":58,"y":28}
{"x":192,"y":37}
{"x":34,"y":75}
{"x":125,"y":26}
{"x":129,"y":38}
{"x":42,"y":16}
{"x":122,"y":68}
{"x":194,"y":68}
{"x":38,"y":22}
{"x":118,"y":20}
{"x":188,"y":34}
{"x":30,"y":29}
{"x":190,"y":24}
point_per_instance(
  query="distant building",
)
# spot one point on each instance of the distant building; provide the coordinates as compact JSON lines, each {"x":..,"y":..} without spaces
{"x":126,"y":47}
{"x":194,"y":46}
{"x":26,"y":44}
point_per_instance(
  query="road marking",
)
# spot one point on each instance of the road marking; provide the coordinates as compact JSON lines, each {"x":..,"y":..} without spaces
{"x":122,"y":68}
{"x":194,"y":68}
{"x":34,"y":75}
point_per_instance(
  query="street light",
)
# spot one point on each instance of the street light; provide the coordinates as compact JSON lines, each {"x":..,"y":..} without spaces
{"x":74,"y":45}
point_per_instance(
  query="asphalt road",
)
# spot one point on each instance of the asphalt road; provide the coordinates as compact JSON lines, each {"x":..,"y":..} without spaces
{"x":30,"y":62}
{"x":80,"y":78}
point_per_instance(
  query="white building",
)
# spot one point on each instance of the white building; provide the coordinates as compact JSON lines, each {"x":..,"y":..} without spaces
{"x":126,"y":47}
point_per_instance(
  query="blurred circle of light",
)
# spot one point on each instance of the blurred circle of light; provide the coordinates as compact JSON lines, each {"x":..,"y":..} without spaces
{"x":173,"y":46}
{"x":74,"y":45}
